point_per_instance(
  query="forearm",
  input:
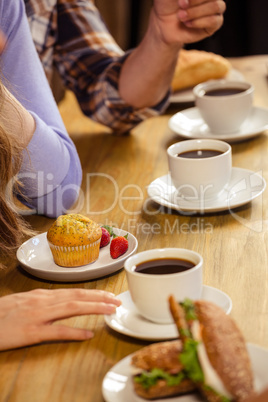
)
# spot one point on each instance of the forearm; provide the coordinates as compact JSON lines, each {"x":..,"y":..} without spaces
{"x":147,"y":72}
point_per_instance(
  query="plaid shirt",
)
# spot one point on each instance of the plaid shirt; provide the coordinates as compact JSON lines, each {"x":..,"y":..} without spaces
{"x":71,"y":35}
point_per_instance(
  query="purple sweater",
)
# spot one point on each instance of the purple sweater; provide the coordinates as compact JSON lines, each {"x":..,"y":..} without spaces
{"x":51,"y":171}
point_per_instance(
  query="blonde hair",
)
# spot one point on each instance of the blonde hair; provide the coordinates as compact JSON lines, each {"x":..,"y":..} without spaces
{"x":12,"y":225}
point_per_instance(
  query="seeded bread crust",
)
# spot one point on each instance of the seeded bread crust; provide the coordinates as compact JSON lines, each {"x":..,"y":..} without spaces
{"x":162,"y":355}
{"x":162,"y":390}
{"x":196,"y":66}
{"x":178,"y":315}
{"x":226,"y":350}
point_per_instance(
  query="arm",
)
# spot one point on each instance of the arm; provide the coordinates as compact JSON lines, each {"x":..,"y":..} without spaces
{"x":148,"y":71}
{"x":50,"y":163}
{"x":13,"y":111}
{"x":29,"y":318}
{"x":120,"y":90}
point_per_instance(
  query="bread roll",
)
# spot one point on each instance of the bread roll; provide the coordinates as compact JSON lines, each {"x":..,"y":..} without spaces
{"x":195,"y":66}
{"x":226,"y":350}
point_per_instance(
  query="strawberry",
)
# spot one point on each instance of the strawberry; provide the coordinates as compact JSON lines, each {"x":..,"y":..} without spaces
{"x":119,"y":246}
{"x":105,"y":238}
{"x":110,"y":230}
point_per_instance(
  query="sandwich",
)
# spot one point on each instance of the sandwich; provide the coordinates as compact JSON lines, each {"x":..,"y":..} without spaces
{"x":214,"y":354}
{"x":196,"y":66}
{"x":158,"y":372}
{"x":210,"y":357}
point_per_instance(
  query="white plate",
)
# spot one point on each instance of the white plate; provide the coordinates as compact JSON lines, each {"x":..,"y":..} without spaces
{"x":36,"y":258}
{"x":186,"y":95}
{"x":243,"y":187}
{"x":117,"y":383}
{"x":129,"y":322}
{"x":189,"y":124}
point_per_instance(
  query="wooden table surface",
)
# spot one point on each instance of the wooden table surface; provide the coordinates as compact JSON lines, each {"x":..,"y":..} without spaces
{"x":234,"y":248}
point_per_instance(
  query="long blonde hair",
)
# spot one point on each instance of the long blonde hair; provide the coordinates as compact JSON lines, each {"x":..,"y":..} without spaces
{"x":12,"y":225}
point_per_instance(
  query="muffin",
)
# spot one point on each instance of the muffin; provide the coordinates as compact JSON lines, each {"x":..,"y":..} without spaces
{"x":74,"y":240}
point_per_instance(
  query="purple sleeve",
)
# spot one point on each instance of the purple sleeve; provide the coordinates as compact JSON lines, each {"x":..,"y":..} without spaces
{"x":51,"y":170}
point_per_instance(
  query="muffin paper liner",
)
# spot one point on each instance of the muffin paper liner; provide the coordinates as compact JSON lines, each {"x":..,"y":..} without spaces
{"x":75,"y":256}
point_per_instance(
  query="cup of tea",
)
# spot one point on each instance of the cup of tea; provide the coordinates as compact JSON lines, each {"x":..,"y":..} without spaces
{"x":153,"y":275}
{"x":224,"y":105}
{"x":200,"y":169}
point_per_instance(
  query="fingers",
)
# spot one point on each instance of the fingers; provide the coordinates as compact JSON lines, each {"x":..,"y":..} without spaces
{"x":89,"y":295}
{"x":62,"y":333}
{"x":76,"y":308}
{"x":53,"y":297}
{"x":58,"y":304}
{"x":202,"y":15}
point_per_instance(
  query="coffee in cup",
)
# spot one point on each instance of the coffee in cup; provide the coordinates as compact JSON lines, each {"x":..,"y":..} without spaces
{"x":200,"y":169}
{"x":224,"y":105}
{"x":153,"y":275}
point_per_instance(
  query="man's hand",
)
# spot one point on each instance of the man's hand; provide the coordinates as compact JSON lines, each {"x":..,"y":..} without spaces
{"x":187,"y":21}
{"x":148,"y":71}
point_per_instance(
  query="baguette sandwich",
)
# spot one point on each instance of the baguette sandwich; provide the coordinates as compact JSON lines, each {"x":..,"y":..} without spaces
{"x":157,"y":371}
{"x":196,"y":66}
{"x":214,"y":354}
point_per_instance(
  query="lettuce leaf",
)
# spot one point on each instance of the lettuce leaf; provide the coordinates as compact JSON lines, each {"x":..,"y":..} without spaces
{"x":189,"y":359}
{"x":222,"y":397}
{"x":149,"y":378}
{"x":189,"y":309}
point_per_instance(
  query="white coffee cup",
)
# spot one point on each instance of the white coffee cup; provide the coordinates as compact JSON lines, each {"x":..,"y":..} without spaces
{"x":200,"y":178}
{"x":150,"y":292}
{"x":224,"y":105}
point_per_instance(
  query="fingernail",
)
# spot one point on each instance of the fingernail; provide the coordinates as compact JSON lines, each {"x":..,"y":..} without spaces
{"x":182,"y":14}
{"x":184,"y":3}
{"x":89,"y":334}
{"x":189,"y":24}
{"x":111,"y":308}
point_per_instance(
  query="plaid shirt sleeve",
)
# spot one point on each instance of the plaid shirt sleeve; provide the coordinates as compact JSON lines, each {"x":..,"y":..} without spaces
{"x":73,"y":34}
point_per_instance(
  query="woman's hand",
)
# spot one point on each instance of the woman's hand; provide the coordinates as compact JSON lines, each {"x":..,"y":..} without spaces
{"x":27,"y":318}
{"x":187,"y":21}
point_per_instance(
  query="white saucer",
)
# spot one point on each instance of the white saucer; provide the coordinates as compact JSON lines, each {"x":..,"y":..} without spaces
{"x":36,"y":258}
{"x":186,"y":95}
{"x":117,"y":384}
{"x":129,"y":322}
{"x":189,"y":124}
{"x":243,"y":187}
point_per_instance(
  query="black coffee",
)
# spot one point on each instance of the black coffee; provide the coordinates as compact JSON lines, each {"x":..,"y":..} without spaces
{"x":200,"y":153}
{"x":163,"y":266}
{"x":224,"y":91}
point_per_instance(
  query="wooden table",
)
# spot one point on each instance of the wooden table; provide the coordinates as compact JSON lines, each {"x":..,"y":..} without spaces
{"x":235,"y":249}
